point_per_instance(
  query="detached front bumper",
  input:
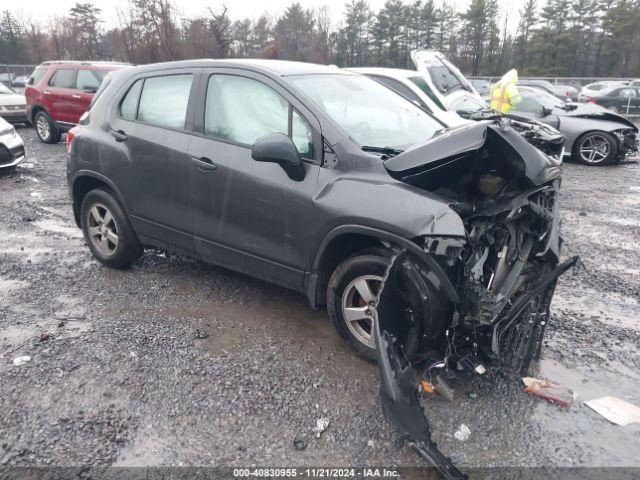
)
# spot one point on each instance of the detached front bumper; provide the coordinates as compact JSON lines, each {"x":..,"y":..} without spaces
{"x":627,"y":142}
{"x":11,"y":149}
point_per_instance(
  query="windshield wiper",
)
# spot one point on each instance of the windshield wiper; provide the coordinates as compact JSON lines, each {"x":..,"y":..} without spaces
{"x":385,"y":151}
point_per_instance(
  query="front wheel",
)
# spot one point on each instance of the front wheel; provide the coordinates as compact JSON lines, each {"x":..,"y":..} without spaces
{"x":107,"y":230}
{"x":351,"y":295}
{"x":595,"y":148}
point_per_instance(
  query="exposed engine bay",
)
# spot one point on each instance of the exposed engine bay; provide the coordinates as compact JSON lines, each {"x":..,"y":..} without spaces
{"x":475,"y":303}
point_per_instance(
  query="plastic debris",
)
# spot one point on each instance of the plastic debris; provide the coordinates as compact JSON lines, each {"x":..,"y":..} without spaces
{"x":321,"y":425}
{"x":615,"y":410}
{"x":427,"y":387}
{"x":17,"y":361}
{"x":473,"y":395}
{"x":443,"y":388}
{"x":462,"y":433}
{"x":551,"y":392}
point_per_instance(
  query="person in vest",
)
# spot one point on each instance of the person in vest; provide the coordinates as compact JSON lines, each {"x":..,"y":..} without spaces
{"x":505,"y":95}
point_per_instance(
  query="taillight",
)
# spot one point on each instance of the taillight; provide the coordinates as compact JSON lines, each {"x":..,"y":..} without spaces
{"x":591,"y":100}
{"x":70,"y":134}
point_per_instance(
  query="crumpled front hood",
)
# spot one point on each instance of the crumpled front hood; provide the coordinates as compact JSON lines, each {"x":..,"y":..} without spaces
{"x":453,"y":143}
{"x":591,"y":110}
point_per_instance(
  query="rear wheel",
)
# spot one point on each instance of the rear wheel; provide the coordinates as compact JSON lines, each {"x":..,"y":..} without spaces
{"x":351,"y":295}
{"x":46,"y":129}
{"x":107,"y":230}
{"x":595,"y":148}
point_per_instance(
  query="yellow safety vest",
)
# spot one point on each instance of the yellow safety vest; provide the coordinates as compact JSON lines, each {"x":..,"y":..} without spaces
{"x":501,"y":96}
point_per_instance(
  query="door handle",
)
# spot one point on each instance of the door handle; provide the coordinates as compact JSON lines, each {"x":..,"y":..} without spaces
{"x":76,"y":96}
{"x":204,"y":164}
{"x":46,"y":92}
{"x":120,"y":136}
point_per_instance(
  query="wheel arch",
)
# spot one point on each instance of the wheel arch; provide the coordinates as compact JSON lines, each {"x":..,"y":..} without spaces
{"x":345,"y":240}
{"x":34,"y":111}
{"x":83,"y":183}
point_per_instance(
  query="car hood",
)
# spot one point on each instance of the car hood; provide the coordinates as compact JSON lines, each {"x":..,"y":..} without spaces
{"x":590,"y":110}
{"x":12,"y":100}
{"x":439,"y":73}
{"x":452,"y":143}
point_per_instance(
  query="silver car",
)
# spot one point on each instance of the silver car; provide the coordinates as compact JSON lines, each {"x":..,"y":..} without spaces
{"x":11,"y":146}
{"x":594,"y":135}
{"x":13,"y":106}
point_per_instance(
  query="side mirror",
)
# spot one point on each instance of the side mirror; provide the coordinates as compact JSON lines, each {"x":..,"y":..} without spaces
{"x":278,"y":148}
{"x":546,"y":111}
{"x":31,"y":81}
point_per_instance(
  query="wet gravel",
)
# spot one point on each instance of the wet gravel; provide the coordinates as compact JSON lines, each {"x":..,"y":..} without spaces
{"x":175,"y":362}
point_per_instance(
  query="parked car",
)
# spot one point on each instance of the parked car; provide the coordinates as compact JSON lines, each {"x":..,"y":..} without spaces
{"x":634,"y":83}
{"x":13,"y":106}
{"x":483,"y":87}
{"x":315,"y":178}
{"x":619,"y":99}
{"x":594,"y":135}
{"x":58,"y":93}
{"x":19,"y":82}
{"x":593,"y":88}
{"x":11,"y":147}
{"x":411,"y":85}
{"x":443,"y":78}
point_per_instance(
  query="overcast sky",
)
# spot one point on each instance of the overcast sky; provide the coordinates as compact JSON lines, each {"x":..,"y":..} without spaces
{"x":45,"y":9}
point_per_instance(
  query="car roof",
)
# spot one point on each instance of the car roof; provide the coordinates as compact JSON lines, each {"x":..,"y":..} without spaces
{"x":399,"y":73}
{"x":273,"y":67}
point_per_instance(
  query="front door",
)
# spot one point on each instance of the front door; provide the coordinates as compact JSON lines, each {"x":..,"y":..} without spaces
{"x":249,"y":216}
{"x":152,"y":131}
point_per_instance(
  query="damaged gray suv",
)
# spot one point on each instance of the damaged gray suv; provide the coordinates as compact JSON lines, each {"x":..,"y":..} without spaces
{"x":326,"y":182}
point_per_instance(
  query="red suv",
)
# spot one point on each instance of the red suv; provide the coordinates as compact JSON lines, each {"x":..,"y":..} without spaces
{"x":58,"y":93}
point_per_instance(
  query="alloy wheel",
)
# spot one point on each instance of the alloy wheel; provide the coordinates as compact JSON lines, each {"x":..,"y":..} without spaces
{"x":102,"y":230}
{"x":594,"y":149}
{"x":43,"y":127}
{"x":358,"y":307}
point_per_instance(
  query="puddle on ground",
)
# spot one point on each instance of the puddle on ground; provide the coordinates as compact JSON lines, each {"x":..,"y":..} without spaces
{"x":611,"y":308}
{"x":58,"y":226}
{"x":16,"y":335}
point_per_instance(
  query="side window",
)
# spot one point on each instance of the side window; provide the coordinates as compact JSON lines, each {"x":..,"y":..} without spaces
{"x":63,"y":78}
{"x":37,"y":75}
{"x":530,"y":105}
{"x":129,"y":105}
{"x":242,"y":110}
{"x":86,"y":80}
{"x":164,"y":100}
{"x":402,"y":89}
{"x":627,"y":92}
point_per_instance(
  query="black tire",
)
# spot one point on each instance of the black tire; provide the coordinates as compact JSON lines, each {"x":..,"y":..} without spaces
{"x":593,"y":136}
{"x":7,"y":172}
{"x":128,"y":248}
{"x":369,"y":263}
{"x":50,"y":135}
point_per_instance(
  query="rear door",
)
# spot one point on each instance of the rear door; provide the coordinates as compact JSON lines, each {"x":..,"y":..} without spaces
{"x":60,"y":93}
{"x":153,"y":131}
{"x":249,"y":216}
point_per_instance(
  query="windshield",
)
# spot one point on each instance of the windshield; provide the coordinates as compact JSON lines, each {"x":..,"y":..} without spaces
{"x":468,"y":105}
{"x":370,"y":113}
{"x":545,"y":99}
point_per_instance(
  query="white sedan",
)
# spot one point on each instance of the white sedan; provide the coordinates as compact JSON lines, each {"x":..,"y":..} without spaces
{"x":11,"y":146}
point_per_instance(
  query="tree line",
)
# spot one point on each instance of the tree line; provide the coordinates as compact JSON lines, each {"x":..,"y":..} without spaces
{"x":556,"y":38}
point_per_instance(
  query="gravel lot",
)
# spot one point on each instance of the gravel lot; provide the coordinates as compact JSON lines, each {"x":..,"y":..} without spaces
{"x":175,"y":362}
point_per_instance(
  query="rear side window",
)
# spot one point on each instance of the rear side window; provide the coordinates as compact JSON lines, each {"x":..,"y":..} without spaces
{"x":37,"y":75}
{"x":422,"y":85}
{"x":242,"y":110}
{"x":402,"y":89}
{"x":164,"y":100}
{"x":87,"y":80}
{"x":129,"y":105}
{"x":63,"y":78}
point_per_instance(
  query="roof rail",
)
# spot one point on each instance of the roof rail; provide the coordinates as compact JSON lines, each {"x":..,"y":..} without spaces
{"x":82,"y":62}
